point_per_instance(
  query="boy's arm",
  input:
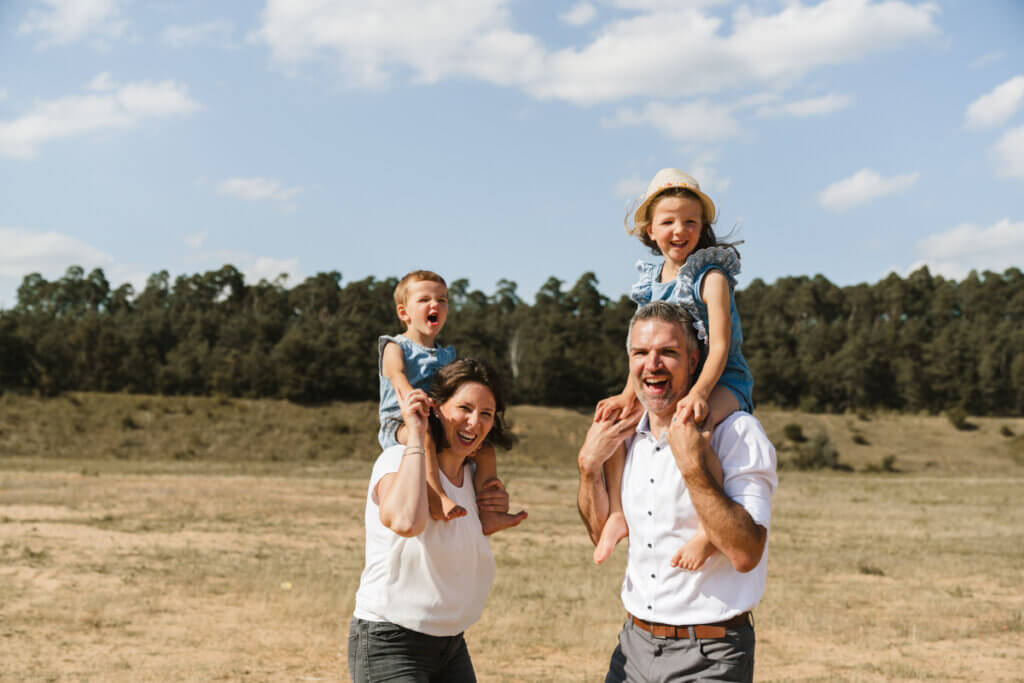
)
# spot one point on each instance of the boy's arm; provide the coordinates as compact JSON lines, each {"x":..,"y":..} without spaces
{"x":392,"y":367}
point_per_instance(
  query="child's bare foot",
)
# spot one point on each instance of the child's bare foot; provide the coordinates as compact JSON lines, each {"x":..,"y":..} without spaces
{"x":694,"y":553}
{"x":615,"y":530}
{"x":491,"y":522}
{"x":442,"y":507}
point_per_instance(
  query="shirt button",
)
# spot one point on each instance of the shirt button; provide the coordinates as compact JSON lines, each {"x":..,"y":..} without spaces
{"x":649,"y":545}
{"x":652,"y":576}
{"x":649,"y":607}
{"x":650,"y":514}
{"x":652,"y":480}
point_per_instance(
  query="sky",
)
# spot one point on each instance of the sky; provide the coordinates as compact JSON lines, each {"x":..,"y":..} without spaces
{"x":505,"y":139}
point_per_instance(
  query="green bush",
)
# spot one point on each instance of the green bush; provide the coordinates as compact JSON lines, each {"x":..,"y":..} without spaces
{"x":817,"y":454}
{"x":794,"y":433}
{"x":958,"y":418}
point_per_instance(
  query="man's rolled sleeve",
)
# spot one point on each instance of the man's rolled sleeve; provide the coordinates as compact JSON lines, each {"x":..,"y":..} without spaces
{"x":749,"y":464}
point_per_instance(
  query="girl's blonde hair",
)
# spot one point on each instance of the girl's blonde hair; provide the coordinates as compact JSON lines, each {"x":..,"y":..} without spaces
{"x":641,"y":229}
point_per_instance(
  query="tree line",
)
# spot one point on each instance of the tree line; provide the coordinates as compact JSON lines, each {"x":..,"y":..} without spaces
{"x":920,"y":343}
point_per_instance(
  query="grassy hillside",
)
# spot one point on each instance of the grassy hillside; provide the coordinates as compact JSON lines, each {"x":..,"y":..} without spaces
{"x":196,"y":433}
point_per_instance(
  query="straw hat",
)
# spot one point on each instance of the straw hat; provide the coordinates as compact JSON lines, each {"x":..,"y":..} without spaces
{"x":666,"y":179}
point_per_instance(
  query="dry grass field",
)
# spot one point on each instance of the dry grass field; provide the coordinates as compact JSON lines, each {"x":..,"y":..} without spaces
{"x":186,"y":539}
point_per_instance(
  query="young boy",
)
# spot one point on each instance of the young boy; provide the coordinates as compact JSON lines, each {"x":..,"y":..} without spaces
{"x":409,"y":361}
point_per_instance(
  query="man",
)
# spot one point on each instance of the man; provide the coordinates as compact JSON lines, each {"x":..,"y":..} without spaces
{"x":681,"y":625}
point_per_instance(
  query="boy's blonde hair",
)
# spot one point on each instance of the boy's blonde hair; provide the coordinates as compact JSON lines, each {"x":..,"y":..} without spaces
{"x":401,"y":289}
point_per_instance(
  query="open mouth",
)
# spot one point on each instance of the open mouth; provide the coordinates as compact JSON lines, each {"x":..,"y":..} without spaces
{"x":656,"y":385}
{"x":432,"y":318}
{"x":465,"y":438}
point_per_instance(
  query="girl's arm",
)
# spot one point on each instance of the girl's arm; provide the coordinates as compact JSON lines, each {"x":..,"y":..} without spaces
{"x":714,"y":290}
{"x":618,"y":406}
{"x":403,"y":495}
{"x":393,"y":369}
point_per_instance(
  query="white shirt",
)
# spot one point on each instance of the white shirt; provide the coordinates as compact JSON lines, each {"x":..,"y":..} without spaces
{"x":434,"y":583}
{"x":662,"y":518}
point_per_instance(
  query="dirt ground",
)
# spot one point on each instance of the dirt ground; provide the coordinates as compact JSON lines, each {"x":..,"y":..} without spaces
{"x":141,"y":568}
{"x":159,"y":577}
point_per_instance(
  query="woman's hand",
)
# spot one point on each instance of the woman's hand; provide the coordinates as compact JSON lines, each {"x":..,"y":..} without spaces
{"x":492,"y":502}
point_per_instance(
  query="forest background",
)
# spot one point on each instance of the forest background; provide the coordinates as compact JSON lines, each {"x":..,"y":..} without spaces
{"x":920,"y":343}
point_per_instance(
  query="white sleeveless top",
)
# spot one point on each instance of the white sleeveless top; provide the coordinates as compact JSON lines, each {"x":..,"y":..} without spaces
{"x":434,"y":583}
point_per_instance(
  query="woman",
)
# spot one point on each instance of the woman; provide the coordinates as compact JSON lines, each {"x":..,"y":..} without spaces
{"x":426,"y":581}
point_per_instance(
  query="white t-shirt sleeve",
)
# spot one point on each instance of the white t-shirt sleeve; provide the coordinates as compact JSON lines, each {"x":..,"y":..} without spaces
{"x":749,"y":464}
{"x":386,"y":464}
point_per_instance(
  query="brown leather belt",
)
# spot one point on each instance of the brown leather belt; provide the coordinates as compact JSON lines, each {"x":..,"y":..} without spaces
{"x":716,"y":630}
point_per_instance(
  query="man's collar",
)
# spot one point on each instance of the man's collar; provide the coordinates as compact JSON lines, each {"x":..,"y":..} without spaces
{"x":643,"y":428}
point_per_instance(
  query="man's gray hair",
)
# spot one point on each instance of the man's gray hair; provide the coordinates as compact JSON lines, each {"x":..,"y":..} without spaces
{"x":666,"y":312}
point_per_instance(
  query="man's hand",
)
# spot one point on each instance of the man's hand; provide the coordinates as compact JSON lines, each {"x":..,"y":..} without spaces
{"x":688,"y":440}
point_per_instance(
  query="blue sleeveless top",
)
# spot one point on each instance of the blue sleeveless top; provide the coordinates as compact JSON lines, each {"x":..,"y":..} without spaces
{"x":421,"y":364}
{"x":685,"y":291}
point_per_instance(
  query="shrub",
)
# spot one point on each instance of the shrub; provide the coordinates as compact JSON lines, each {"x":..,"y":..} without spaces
{"x":818,"y":454}
{"x":794,"y":433}
{"x":860,"y":440}
{"x":1006,"y":431}
{"x":958,"y":418}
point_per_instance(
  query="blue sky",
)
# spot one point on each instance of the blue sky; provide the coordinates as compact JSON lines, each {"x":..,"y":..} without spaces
{"x":491,"y":139}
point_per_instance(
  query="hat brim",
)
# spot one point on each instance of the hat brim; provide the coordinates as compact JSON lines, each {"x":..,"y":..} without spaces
{"x":640,"y":215}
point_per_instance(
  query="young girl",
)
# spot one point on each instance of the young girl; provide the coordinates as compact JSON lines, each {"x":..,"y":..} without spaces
{"x":674,"y":220}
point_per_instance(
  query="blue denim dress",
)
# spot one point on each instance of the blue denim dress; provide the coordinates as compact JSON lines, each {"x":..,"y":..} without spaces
{"x":685,"y":290}
{"x":421,"y":364}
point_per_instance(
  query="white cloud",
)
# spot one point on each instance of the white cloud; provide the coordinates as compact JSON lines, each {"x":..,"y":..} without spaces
{"x":101,"y":83}
{"x":3,"y":94}
{"x":967,"y":247}
{"x":47,"y":253}
{"x":66,"y":21}
{"x":1009,"y":154}
{"x":707,"y":176}
{"x":997,"y":106}
{"x":862,"y":187}
{"x":698,"y":121}
{"x":662,"y":52}
{"x":78,"y":114}
{"x":217,"y":32}
{"x":368,"y":40}
{"x":267,"y":268}
{"x":579,"y":14}
{"x":254,"y":267}
{"x":816,"y":106}
{"x":630,"y":188}
{"x":195,"y":240}
{"x":257,"y":189}
{"x":986,"y":59}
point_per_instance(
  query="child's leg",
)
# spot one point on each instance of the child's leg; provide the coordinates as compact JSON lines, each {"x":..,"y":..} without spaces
{"x":438,"y":502}
{"x":721,"y":404}
{"x":698,"y":549}
{"x":487,"y":471}
{"x":615,"y":528}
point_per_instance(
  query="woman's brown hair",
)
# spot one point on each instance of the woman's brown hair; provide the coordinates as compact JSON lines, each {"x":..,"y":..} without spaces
{"x":447,"y":382}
